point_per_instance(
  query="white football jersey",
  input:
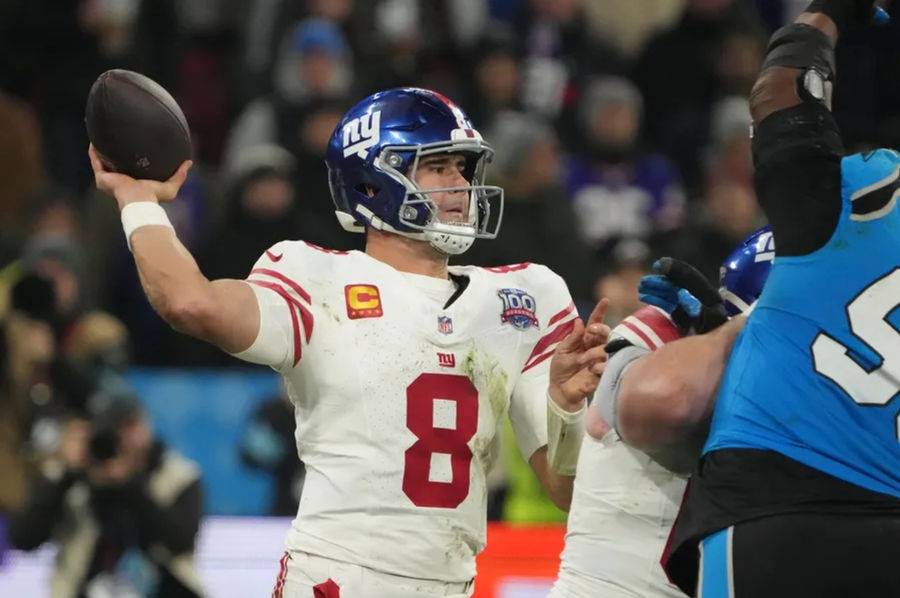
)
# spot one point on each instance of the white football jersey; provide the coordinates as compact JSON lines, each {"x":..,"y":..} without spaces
{"x":398,"y":397}
{"x":623,"y":507}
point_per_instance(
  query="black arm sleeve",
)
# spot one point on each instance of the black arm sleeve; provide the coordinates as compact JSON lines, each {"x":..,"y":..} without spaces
{"x":174,"y":526}
{"x":33,"y":525}
{"x":797,"y":155}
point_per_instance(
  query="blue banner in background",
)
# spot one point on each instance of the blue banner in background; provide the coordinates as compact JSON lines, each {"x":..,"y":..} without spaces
{"x":202,"y":414}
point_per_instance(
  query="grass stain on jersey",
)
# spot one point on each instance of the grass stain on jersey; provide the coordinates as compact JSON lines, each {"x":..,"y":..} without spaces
{"x":328,"y":312}
{"x":486,"y":374}
{"x":460,"y":545}
{"x":489,"y":378}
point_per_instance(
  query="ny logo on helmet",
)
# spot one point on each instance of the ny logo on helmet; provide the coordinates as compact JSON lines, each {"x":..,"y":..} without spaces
{"x":362,"y":133}
{"x":765,"y":248}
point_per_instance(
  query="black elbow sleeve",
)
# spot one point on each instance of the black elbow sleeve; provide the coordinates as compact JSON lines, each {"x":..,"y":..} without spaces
{"x":805,"y":130}
{"x":797,"y":153}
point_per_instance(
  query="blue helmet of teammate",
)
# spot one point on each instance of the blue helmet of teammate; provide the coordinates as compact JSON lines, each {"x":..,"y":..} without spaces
{"x":744,"y":272}
{"x":372,"y":159}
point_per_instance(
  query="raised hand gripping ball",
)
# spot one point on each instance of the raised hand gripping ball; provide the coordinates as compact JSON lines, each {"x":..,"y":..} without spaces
{"x":136,"y":126}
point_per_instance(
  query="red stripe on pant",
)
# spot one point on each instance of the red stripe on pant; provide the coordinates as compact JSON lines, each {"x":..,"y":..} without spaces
{"x":282,"y":575}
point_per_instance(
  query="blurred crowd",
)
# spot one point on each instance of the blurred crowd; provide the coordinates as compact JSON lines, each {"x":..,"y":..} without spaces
{"x":621,"y":128}
{"x":621,"y":131}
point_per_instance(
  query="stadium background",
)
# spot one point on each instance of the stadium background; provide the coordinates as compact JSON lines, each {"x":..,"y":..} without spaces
{"x":621,"y":134}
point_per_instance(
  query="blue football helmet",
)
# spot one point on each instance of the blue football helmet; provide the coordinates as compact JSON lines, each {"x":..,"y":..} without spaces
{"x":744,"y":272}
{"x":372,"y":160}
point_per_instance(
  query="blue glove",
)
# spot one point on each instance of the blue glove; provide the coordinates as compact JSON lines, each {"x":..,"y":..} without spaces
{"x":683,"y":292}
{"x":658,"y":290}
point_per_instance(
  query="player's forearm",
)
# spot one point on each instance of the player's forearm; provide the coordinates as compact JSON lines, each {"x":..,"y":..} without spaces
{"x":222,"y":312}
{"x":667,"y":395}
{"x":558,"y":487}
{"x":170,"y":277}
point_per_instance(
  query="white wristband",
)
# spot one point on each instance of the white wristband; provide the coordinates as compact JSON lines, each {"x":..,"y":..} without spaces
{"x":565,"y":429}
{"x":143,"y":213}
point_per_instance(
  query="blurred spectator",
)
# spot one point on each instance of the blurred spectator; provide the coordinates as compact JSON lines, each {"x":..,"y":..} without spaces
{"x":775,"y":13}
{"x":21,"y":169}
{"x":314,"y":63}
{"x":59,"y":260}
{"x":46,"y":373}
{"x":628,"y":262}
{"x":268,"y":21}
{"x":261,"y":209}
{"x":123,"y":510}
{"x":679,"y":74}
{"x":268,"y":445}
{"x":740,"y":57}
{"x":318,"y":224}
{"x":27,"y":349}
{"x":617,"y":189}
{"x":867,"y":101}
{"x":495,"y":84}
{"x":560,"y":53}
{"x":628,"y":25}
{"x":39,"y":384}
{"x":468,"y":20}
{"x":728,"y":158}
{"x":202,"y":89}
{"x":418,"y":47}
{"x":308,"y":140}
{"x":113,"y":22}
{"x":56,"y":59}
{"x":538,"y":223}
{"x":729,"y":209}
{"x":729,"y":214}
{"x":52,"y":212}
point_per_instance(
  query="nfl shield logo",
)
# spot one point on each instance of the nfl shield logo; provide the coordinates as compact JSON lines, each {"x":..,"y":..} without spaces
{"x":445,"y":325}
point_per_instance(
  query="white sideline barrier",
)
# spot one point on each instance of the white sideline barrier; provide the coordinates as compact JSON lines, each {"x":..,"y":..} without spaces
{"x":237,"y":557}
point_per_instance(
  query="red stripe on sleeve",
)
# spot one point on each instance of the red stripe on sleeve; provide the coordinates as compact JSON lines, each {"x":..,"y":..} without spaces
{"x":548,"y":339}
{"x":305,"y":315}
{"x":293,"y":307}
{"x":659,"y":323}
{"x":650,"y":344}
{"x":569,"y":309}
{"x":537,"y":361}
{"x":275,"y":274}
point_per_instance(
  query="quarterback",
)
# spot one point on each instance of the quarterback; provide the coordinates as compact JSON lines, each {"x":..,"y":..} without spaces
{"x":400,"y":367}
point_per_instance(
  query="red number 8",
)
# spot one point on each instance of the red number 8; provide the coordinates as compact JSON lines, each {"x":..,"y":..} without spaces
{"x":420,"y":397}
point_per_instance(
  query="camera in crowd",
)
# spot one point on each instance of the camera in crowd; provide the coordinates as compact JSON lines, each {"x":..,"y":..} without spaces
{"x":110,"y":408}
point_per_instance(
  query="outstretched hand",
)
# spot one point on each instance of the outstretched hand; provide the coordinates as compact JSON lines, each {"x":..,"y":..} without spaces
{"x":128,"y":190}
{"x":579,"y":360}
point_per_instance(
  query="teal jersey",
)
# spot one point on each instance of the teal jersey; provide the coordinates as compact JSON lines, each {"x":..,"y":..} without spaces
{"x":815,"y":372}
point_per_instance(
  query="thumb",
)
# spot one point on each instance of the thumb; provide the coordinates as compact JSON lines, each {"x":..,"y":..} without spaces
{"x":689,"y":303}
{"x":170,"y":187}
{"x":180,"y":175}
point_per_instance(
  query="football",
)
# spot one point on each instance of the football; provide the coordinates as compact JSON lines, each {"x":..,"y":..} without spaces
{"x":136,"y":126}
